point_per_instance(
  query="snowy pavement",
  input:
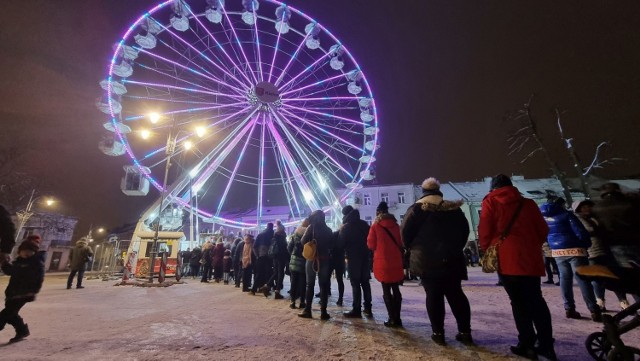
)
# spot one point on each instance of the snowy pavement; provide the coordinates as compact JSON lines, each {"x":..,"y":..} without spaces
{"x":198,"y":321}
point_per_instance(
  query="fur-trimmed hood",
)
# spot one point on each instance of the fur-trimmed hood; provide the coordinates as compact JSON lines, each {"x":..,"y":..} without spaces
{"x":437,"y":203}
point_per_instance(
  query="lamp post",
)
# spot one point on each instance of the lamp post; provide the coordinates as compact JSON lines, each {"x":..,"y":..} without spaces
{"x":25,"y":215}
{"x":172,"y":139}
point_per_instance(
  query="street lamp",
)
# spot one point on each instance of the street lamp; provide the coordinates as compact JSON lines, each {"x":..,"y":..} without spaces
{"x":170,"y":149}
{"x":25,"y":214}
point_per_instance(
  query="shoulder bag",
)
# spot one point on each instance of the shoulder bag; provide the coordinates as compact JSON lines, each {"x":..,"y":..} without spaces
{"x":395,"y":242}
{"x":489,"y":261}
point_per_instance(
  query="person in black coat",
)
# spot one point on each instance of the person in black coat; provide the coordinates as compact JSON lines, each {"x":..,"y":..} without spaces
{"x":353,"y":236}
{"x":194,"y":262}
{"x":263,"y":264}
{"x":27,"y":275}
{"x":436,"y":231}
{"x":236,"y":257}
{"x":206,"y":261}
{"x":7,"y":235}
{"x":279,"y":257}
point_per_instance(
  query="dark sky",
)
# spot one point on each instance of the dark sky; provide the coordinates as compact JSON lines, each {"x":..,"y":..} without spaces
{"x":443,"y":73}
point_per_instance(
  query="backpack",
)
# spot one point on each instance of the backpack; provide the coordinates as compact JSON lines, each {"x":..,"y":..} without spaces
{"x":274,"y":248}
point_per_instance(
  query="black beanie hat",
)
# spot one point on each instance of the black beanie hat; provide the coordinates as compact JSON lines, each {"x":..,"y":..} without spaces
{"x":383,"y":207}
{"x":500,"y":181}
{"x":346,"y":210}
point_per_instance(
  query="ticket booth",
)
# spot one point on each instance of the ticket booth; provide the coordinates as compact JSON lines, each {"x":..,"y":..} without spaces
{"x":143,"y":244}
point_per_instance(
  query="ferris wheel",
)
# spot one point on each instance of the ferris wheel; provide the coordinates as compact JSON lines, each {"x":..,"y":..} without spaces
{"x":254,"y":103}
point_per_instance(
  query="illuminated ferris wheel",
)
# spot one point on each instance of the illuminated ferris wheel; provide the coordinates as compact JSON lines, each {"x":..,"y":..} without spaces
{"x":255,"y":103}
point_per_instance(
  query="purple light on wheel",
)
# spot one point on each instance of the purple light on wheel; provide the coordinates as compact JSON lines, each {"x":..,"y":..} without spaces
{"x":283,"y":121}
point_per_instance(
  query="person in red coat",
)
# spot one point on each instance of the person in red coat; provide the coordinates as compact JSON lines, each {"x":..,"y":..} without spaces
{"x":521,"y":263}
{"x":385,"y":242}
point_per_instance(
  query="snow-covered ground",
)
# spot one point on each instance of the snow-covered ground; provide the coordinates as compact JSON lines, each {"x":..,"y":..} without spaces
{"x":197,"y":321}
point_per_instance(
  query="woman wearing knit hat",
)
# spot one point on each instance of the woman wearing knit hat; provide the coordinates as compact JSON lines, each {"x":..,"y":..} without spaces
{"x":436,"y":231}
{"x":27,"y":275}
{"x":385,"y":242}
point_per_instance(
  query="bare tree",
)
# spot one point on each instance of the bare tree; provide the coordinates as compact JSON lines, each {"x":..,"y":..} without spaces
{"x":528,"y":136}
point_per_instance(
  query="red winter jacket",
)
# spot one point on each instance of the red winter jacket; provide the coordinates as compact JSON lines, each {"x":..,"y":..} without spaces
{"x":387,"y":258}
{"x":521,"y":252}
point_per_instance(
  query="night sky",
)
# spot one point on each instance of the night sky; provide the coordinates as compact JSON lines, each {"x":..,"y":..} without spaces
{"x":443,"y":73}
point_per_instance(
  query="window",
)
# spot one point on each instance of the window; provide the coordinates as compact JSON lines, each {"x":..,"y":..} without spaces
{"x":368,"y":219}
{"x":367,"y":199}
{"x":384,"y":197}
{"x":401,"y":197}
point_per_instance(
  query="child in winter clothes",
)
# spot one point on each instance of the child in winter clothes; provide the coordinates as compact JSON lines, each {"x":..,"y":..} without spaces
{"x":226,"y":266}
{"x":27,"y":275}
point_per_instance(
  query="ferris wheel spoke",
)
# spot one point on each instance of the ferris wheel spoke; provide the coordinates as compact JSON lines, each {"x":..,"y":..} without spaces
{"x":235,"y":64}
{"x":261,"y":170}
{"x":312,"y":140}
{"x":320,"y":82}
{"x":323,"y":99}
{"x":190,"y":110}
{"x":201,"y":54}
{"x":215,"y":158}
{"x":235,"y":169}
{"x":168,"y":86}
{"x":323,"y":114}
{"x":323,"y":130}
{"x":291,"y":58}
{"x":286,"y":183}
{"x":305,"y":71}
{"x":275,"y":51}
{"x":257,"y":42}
{"x":239,"y":44}
{"x":208,"y":75}
{"x":292,"y":164}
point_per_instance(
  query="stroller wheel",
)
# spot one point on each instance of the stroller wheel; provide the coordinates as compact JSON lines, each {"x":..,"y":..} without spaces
{"x":598,"y":346}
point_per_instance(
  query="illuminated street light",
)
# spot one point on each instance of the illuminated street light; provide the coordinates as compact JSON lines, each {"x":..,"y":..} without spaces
{"x":24,"y":216}
{"x":145,"y":133}
{"x":154,"y":117}
{"x":188,"y":145}
{"x":200,"y":131}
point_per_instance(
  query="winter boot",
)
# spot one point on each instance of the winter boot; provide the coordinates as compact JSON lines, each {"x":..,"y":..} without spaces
{"x":523,"y":351}
{"x":324,"y":315}
{"x":397,"y":310}
{"x":465,"y":338}
{"x":572,"y":313}
{"x":22,"y":331}
{"x":278,"y":296}
{"x":545,"y":349}
{"x":354,"y":313}
{"x":367,"y":311}
{"x":438,"y":338}
{"x":388,"y":303}
{"x":293,"y":305}
{"x":601,"y":304}
{"x":306,"y":313}
{"x":339,"y":302}
{"x":596,"y":316}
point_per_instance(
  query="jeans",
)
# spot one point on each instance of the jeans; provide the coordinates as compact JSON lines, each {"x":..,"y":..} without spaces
{"x":598,"y":285}
{"x":567,"y":268}
{"x":80,"y":273}
{"x":206,"y":272}
{"x":439,"y":288}
{"x":550,"y":266}
{"x":359,"y":277}
{"x":530,"y":311}
{"x":324,"y":281}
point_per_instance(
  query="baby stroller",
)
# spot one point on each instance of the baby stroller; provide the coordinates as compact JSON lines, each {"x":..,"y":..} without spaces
{"x":607,"y":345}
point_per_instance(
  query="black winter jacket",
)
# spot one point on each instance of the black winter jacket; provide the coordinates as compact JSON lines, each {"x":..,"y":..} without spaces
{"x":27,"y":275}
{"x":196,"y":255}
{"x":319,"y":231}
{"x":353,"y":236}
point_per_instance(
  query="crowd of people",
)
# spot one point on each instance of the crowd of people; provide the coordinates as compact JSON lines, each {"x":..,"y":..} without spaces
{"x":431,"y":243}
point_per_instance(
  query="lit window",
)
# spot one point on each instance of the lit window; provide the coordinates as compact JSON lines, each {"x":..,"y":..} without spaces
{"x":384,"y":197}
{"x":401,"y":197}
{"x":367,"y":199}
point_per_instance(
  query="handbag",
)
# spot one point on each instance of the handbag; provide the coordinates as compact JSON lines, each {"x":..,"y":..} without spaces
{"x":489,"y":261}
{"x":310,"y":252}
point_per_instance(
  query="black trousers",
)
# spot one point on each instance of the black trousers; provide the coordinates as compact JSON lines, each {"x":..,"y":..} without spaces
{"x":439,"y":288}
{"x":263,"y":272}
{"x":10,"y":314}
{"x":338,"y":265}
{"x":80,"y":273}
{"x":530,"y":310}
{"x":247,"y":273}
{"x":206,"y":272}
{"x":359,"y":275}
{"x":194,"y":270}
{"x":298,"y":286}
{"x":277,"y":274}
